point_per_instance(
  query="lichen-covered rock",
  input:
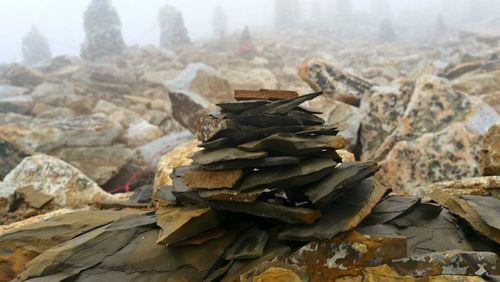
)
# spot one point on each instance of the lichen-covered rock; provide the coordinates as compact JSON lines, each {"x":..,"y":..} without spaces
{"x":490,"y":154}
{"x":51,"y":176}
{"x":343,"y":86}
{"x":179,"y":156}
{"x":382,"y":112}
{"x":439,"y":156}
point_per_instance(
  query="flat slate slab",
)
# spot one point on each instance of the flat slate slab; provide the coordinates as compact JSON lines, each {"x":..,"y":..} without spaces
{"x":264,"y":94}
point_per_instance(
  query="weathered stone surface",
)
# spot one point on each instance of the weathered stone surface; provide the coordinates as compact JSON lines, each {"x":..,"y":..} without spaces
{"x":83,"y":252}
{"x":342,"y":215}
{"x":42,"y":135}
{"x":385,"y":273}
{"x":277,"y":274}
{"x":142,"y":133}
{"x":18,"y":104}
{"x":490,"y":154}
{"x":7,"y":91}
{"x":28,"y":241}
{"x":249,"y":246}
{"x":345,"y":176}
{"x":110,"y":73}
{"x":264,"y":94}
{"x":32,"y":197}
{"x":259,"y":163}
{"x":203,"y":179}
{"x":492,"y":99}
{"x":448,"y":263}
{"x":178,"y":224}
{"x":346,"y":254}
{"x":486,"y":207}
{"x":381,"y":114}
{"x":462,"y":208}
{"x":202,"y":81}
{"x":226,"y":154}
{"x":478,"y":83}
{"x":99,"y":163}
{"x":484,"y":186}
{"x":20,"y":75}
{"x":179,"y":156}
{"x":344,"y":87}
{"x":51,"y":176}
{"x":304,"y":173}
{"x":257,"y":208}
{"x":291,"y":145}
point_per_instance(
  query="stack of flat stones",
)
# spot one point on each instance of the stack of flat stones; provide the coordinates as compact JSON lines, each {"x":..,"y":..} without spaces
{"x":270,"y":162}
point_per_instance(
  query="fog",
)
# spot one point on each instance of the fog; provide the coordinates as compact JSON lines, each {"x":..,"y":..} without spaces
{"x":61,"y":21}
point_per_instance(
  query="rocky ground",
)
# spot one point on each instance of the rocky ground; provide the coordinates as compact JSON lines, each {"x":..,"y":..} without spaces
{"x":106,"y":135}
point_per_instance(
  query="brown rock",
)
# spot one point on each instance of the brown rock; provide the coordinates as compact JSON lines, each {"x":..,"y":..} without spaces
{"x":264,"y":94}
{"x":347,"y":254}
{"x":322,"y":76}
{"x":277,"y":274}
{"x":490,"y":154}
{"x":179,"y":224}
{"x":34,"y":198}
{"x":484,"y":186}
{"x":203,"y":179}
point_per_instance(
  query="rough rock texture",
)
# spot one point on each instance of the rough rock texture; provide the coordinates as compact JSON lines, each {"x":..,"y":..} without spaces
{"x":69,"y":186}
{"x":179,"y":156}
{"x":142,"y":133}
{"x":342,"y":86}
{"x":18,"y":104}
{"x":440,"y":156}
{"x":43,"y":135}
{"x":381,"y":114}
{"x":103,"y":35}
{"x":345,"y":117}
{"x":7,"y":91}
{"x":485,"y":186}
{"x":20,"y":75}
{"x":490,"y":154}
{"x":478,"y":83}
{"x":437,"y":139}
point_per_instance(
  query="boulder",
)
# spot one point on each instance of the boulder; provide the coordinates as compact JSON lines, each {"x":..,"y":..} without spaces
{"x":21,"y":75}
{"x":110,"y":73}
{"x":32,"y":135}
{"x":18,"y":104}
{"x":51,"y":176}
{"x":47,"y":89}
{"x":381,"y":114}
{"x":251,"y":79}
{"x":7,"y":91}
{"x":478,"y":83}
{"x":142,"y":133}
{"x":99,"y":163}
{"x":483,"y":186}
{"x":343,"y":86}
{"x":490,"y":154}
{"x":204,"y":81}
{"x":449,"y":154}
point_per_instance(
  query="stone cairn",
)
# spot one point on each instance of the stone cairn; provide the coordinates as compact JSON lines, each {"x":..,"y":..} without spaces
{"x":268,"y":157}
{"x":246,"y":47}
{"x":103,"y":31}
{"x":172,"y":30}
{"x":36,"y":48}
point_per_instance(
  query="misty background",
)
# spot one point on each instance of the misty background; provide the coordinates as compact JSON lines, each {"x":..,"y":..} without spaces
{"x":61,"y":21}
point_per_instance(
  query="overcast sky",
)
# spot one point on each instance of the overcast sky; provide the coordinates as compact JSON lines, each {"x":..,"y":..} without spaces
{"x":61,"y":21}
